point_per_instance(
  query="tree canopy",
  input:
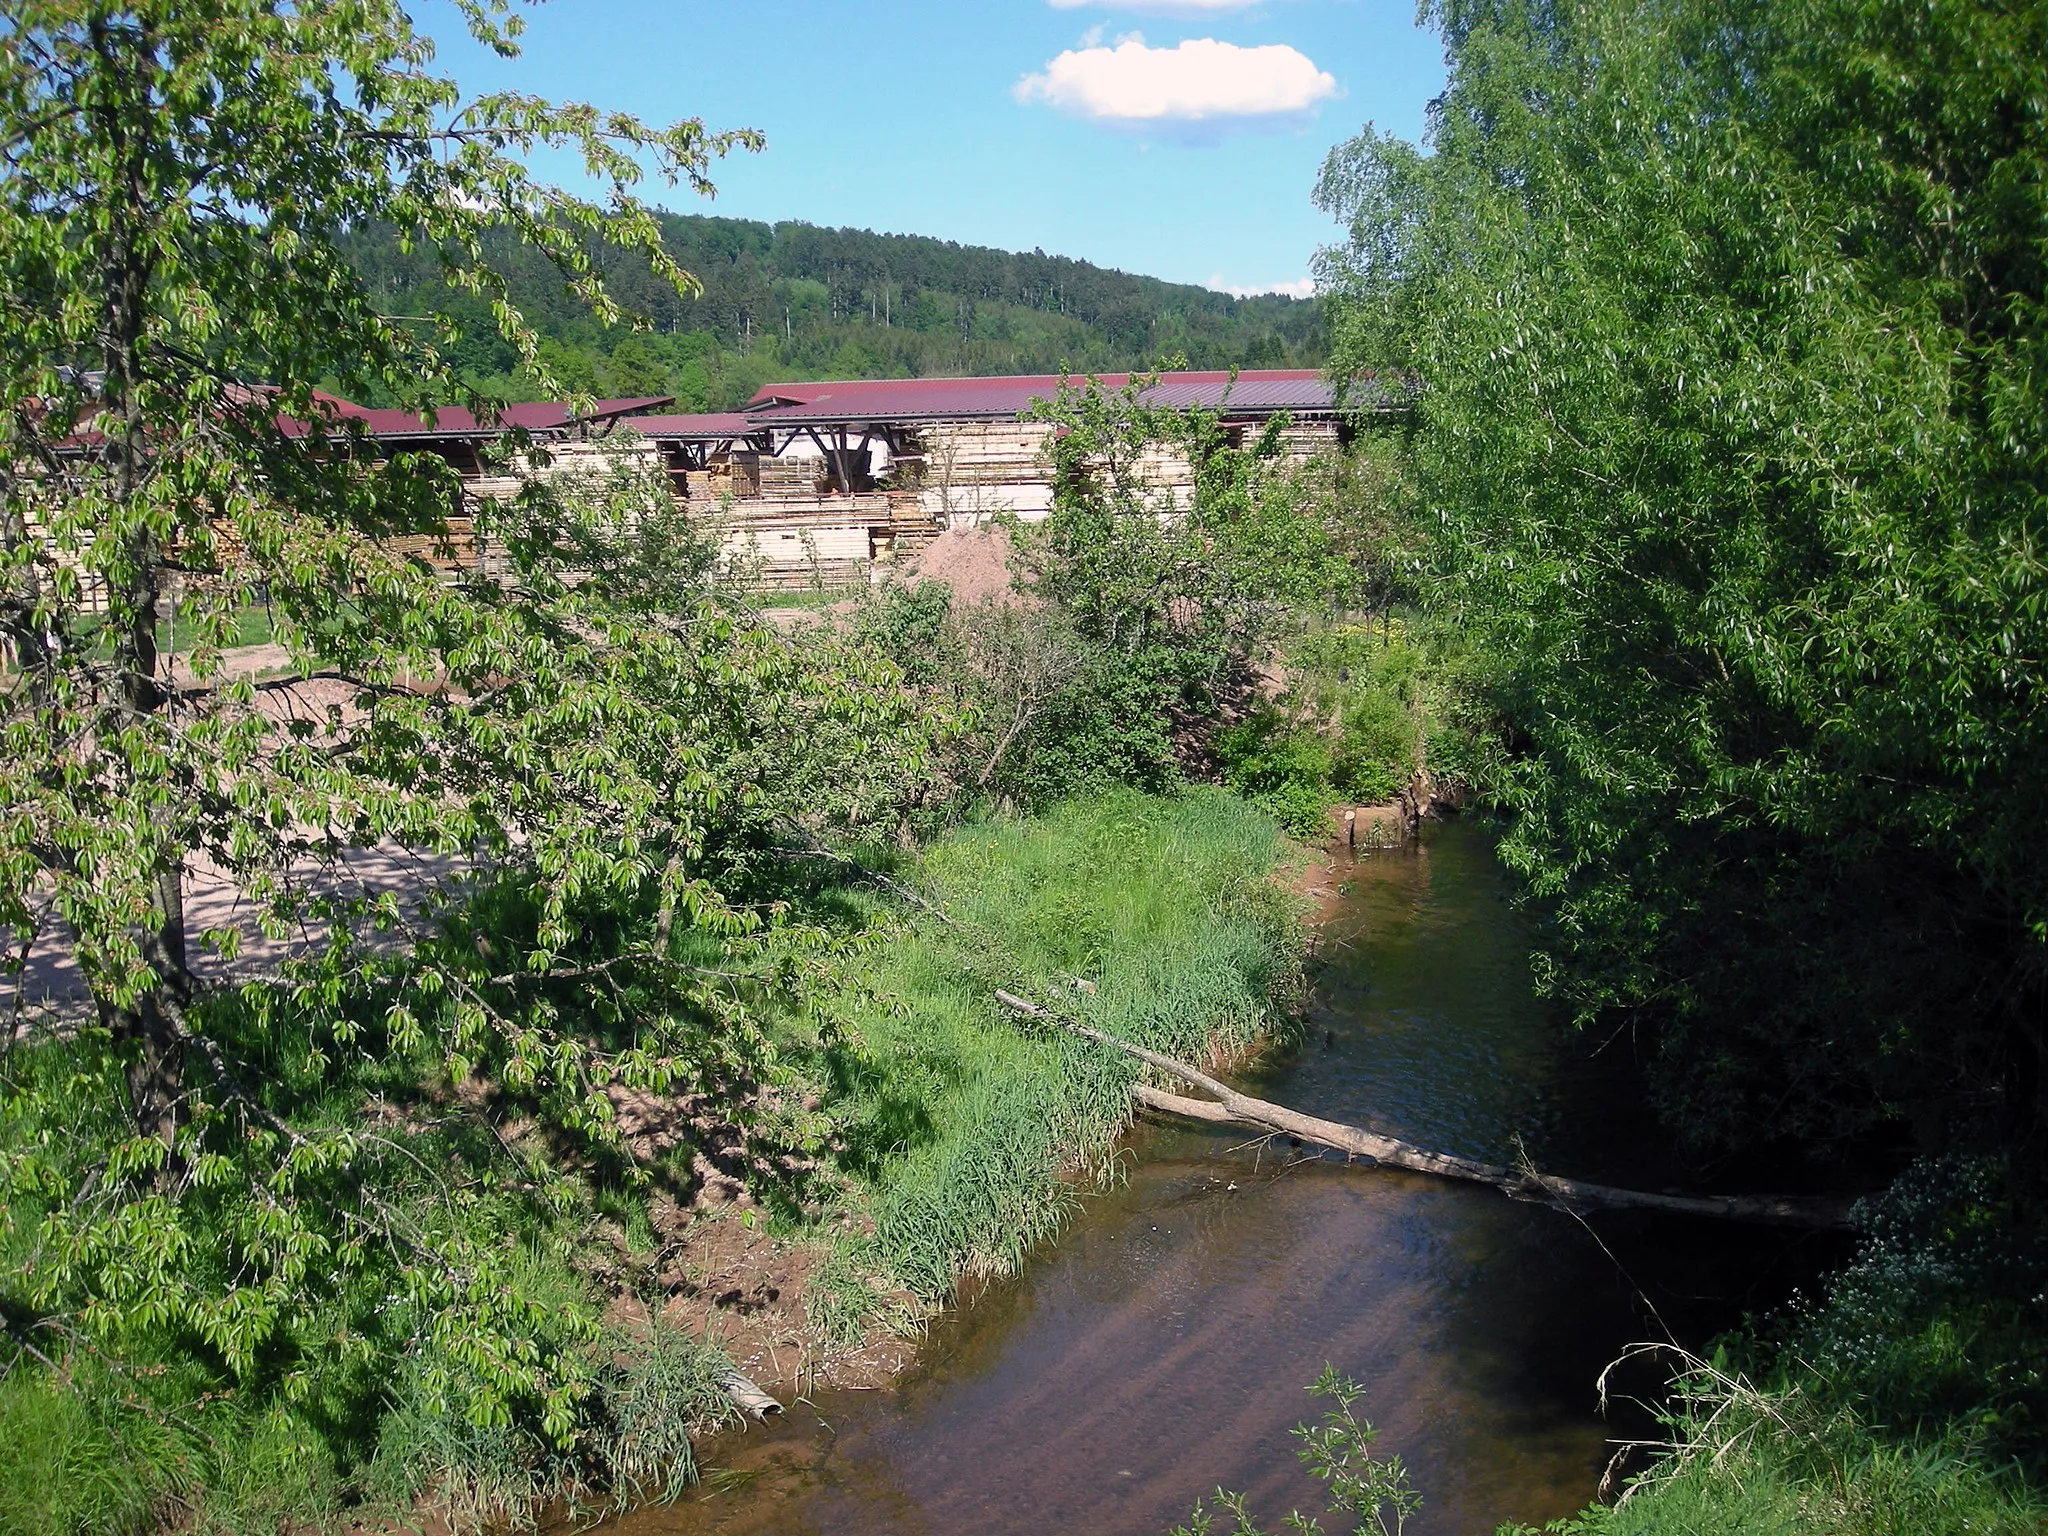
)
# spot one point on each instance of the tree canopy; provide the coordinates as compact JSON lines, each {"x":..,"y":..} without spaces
{"x":1727,"y":327}
{"x":563,"y":741}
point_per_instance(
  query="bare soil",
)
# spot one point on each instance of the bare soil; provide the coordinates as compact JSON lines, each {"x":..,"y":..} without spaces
{"x":974,"y":562}
{"x":743,"y":1288}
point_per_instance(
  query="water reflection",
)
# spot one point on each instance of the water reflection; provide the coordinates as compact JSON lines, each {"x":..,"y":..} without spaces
{"x":1165,"y":1344}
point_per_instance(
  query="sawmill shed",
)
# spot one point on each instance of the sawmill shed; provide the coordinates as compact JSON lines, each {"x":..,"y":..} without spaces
{"x":820,"y":483}
{"x":824,"y":483}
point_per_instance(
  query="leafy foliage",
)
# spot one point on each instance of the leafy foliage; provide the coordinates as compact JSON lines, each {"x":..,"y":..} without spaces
{"x":503,"y":832}
{"x":1173,"y":560}
{"x":1374,"y":1491}
{"x":1283,"y":770}
{"x":1939,"y":1326}
{"x":1174,"y":591}
{"x":1144,"y":568}
{"x":1729,"y":323}
{"x":1723,"y":322}
{"x":1365,"y":708}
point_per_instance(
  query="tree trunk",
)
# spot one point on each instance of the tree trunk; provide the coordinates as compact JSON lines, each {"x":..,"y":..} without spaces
{"x":1230,"y":1107}
{"x":156,"y":1074}
{"x":150,"y":1029}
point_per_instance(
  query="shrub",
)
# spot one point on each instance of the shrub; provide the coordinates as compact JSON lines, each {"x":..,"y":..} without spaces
{"x":1283,"y":769}
{"x":1376,"y":746}
{"x":1937,"y":1325}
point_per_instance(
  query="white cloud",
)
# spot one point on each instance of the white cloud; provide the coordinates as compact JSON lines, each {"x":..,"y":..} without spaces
{"x":1200,"y":81}
{"x":1161,"y":7}
{"x":1298,"y":288}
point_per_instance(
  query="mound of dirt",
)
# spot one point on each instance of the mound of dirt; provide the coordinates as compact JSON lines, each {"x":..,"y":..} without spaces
{"x":974,"y":562}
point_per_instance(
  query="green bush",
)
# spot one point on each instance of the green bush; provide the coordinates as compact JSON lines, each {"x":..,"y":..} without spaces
{"x":1392,"y":695}
{"x":653,"y":1388}
{"x":68,"y":1463}
{"x":1108,"y":725}
{"x":1376,"y":751}
{"x":1283,"y":769}
{"x":1936,"y":1327}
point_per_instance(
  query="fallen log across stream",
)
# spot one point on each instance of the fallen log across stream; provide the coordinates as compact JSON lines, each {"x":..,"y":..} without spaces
{"x":1227,"y":1106}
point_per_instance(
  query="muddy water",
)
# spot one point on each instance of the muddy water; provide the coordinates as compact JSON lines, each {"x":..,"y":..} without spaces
{"x":1164,"y":1345}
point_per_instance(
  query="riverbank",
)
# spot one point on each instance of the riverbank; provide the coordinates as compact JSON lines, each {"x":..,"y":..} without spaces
{"x":1213,"y":1282}
{"x":1174,"y":921}
{"x":1163,"y":1343}
{"x":944,"y":1142}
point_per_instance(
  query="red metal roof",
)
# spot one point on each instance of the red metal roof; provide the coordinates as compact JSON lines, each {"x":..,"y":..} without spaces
{"x":704,"y":428}
{"x":458,"y":421}
{"x":1254,"y":392}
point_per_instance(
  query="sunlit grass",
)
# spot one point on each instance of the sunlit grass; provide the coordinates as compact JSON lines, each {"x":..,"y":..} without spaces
{"x":967,"y":1118}
{"x":1753,"y":1462}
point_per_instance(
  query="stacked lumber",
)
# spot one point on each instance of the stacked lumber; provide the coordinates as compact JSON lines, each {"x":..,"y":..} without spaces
{"x":747,"y":476}
{"x":781,"y":524}
{"x":972,"y":470}
{"x":786,"y":558}
{"x":787,"y":479}
{"x":727,"y":477}
{"x":1301,"y":441}
{"x":793,"y":541}
{"x":92,"y":587}
{"x":761,"y":514}
{"x":451,"y":551}
{"x":1165,"y":479}
{"x":975,"y":469}
{"x":911,"y":526}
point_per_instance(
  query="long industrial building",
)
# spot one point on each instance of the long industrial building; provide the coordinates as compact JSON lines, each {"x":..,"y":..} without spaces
{"x":819,"y":484}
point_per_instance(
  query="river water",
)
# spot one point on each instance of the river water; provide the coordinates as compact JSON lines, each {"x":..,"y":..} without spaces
{"x":1164,"y":1345}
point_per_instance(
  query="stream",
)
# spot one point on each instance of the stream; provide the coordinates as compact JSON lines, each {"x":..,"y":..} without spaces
{"x":1164,"y":1344}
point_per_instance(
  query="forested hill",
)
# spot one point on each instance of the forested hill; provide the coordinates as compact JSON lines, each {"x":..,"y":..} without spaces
{"x":793,"y":300}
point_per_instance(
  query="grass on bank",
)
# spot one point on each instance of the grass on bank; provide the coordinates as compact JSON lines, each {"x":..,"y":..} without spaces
{"x":957,"y":1126}
{"x":962,"y":1119}
{"x":1909,"y":1398}
{"x":1777,"y":1463}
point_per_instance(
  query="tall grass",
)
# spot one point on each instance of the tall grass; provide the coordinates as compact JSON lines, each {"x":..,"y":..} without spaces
{"x":120,"y":1449}
{"x":964,"y":1118}
{"x":132,"y":1449}
{"x":1783,"y":1462}
{"x":144,"y":1427}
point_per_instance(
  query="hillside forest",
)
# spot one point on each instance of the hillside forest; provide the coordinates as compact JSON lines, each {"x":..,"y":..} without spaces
{"x":794,"y":301}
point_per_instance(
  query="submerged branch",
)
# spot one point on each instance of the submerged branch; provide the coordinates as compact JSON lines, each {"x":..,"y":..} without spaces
{"x":1227,"y":1106}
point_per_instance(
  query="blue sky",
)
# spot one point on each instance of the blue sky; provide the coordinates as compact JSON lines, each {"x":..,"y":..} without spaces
{"x":1187,"y":151}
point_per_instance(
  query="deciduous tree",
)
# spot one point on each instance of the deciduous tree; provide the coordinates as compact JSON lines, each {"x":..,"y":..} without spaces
{"x":1728,"y":327}
{"x":551,"y":704}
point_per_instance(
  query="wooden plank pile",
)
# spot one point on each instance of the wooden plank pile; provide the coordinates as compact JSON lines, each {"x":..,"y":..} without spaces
{"x":972,"y":470}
